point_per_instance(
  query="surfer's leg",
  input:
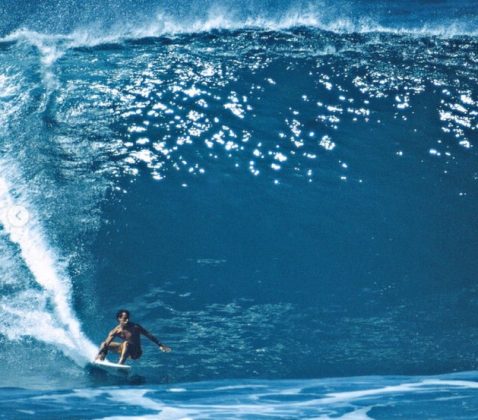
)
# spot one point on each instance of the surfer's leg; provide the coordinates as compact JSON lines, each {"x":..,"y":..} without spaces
{"x":111,"y":346}
{"x":114,"y":346}
{"x":124,"y":352}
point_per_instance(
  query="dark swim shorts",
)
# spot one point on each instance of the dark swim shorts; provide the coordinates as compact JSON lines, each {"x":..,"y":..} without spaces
{"x":134,"y":352}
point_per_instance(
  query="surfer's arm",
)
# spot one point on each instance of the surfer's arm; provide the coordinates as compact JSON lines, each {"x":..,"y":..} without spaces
{"x":146,"y":333}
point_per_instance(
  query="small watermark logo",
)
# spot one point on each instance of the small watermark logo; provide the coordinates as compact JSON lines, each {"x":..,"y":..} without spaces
{"x":18,"y":216}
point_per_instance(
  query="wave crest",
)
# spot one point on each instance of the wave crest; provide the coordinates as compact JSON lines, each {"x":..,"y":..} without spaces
{"x":222,"y":18}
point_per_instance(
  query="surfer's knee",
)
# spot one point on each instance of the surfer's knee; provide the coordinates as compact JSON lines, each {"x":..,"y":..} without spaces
{"x":103,"y":352}
{"x":124,"y":348}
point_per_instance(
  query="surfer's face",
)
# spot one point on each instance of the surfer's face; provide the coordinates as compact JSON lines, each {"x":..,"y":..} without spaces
{"x":123,"y":318}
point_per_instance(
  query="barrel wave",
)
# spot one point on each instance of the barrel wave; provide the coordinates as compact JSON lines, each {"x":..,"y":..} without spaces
{"x":283,"y":192}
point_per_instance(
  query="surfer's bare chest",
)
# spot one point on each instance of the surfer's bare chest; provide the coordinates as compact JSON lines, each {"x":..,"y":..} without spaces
{"x":130,"y":334}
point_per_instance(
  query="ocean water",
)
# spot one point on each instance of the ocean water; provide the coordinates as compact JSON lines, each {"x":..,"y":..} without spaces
{"x":284,"y":192}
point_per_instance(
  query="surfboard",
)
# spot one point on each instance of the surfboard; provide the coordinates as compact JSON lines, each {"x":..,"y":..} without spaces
{"x":111,"y":367}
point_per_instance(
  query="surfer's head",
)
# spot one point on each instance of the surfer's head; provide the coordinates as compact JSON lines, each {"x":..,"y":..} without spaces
{"x":122,"y":316}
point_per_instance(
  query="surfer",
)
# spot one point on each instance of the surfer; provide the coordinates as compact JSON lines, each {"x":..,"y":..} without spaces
{"x":130,"y":333}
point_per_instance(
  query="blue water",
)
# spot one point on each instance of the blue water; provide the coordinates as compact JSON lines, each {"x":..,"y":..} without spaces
{"x":283,"y":192}
{"x":450,"y":396}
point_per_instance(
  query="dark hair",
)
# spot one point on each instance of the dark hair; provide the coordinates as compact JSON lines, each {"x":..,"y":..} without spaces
{"x":120,"y":312}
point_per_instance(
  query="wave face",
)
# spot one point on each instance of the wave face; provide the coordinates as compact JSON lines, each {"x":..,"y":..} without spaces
{"x":276,"y":192}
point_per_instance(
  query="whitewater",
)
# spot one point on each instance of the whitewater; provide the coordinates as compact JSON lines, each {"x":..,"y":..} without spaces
{"x":283,"y":192}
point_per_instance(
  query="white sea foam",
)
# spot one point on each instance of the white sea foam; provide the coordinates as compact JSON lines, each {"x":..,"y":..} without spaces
{"x":50,"y":48}
{"x":44,"y":312}
{"x":223,"y":19}
{"x":427,"y":385}
{"x":53,"y":46}
{"x":345,"y":398}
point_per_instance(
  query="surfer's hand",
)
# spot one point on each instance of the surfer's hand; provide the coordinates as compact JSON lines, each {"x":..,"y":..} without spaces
{"x":101,"y":356}
{"x":164,"y":348}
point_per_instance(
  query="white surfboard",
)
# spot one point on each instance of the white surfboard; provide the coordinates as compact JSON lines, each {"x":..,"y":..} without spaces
{"x":111,"y":367}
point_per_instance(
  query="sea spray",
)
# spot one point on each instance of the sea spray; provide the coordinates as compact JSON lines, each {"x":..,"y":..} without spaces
{"x":58,"y":325}
{"x":156,"y":17}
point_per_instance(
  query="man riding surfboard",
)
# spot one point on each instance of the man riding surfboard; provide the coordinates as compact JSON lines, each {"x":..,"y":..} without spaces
{"x":130,"y":333}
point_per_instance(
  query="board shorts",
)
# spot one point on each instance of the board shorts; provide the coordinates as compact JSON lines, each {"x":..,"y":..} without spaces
{"x":134,"y":352}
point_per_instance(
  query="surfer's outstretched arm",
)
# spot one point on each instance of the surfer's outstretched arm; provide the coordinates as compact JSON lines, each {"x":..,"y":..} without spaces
{"x":105,"y":344}
{"x":162,"y":347}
